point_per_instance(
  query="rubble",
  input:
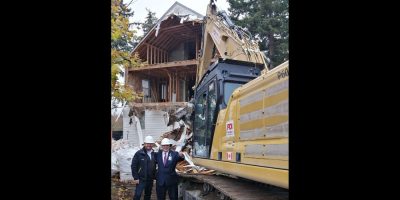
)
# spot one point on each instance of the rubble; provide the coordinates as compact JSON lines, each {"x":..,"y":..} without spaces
{"x":181,"y":135}
{"x":183,"y":113}
{"x":121,"y":159}
{"x":183,"y":138}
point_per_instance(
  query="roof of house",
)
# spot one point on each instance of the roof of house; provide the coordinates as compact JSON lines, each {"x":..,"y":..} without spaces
{"x":177,"y":9}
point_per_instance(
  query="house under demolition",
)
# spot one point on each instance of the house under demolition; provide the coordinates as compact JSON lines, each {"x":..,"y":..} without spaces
{"x":169,"y":52}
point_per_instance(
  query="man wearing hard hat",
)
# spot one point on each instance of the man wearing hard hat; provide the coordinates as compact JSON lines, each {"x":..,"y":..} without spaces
{"x":144,"y":169}
{"x":167,"y":179}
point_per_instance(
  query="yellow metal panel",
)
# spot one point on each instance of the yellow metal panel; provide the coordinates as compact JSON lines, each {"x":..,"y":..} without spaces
{"x":251,"y":107}
{"x":270,"y":101}
{"x":252,"y":124}
{"x":269,"y":121}
{"x":271,"y":169}
{"x":271,"y":176}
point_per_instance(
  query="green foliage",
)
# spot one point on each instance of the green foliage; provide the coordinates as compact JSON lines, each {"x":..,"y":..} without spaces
{"x":267,"y":20}
{"x":150,"y":21}
{"x":121,"y":47}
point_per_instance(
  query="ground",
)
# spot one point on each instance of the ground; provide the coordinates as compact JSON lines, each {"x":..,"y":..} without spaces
{"x":125,"y":190}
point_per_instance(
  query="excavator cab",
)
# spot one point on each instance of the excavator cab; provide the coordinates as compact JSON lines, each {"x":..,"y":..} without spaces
{"x":213,"y":94}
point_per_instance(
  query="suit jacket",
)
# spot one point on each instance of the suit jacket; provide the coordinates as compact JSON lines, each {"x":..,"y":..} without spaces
{"x":167,"y":174}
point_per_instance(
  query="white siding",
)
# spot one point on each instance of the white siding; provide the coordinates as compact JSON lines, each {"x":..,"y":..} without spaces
{"x":129,"y":130}
{"x":155,"y":123}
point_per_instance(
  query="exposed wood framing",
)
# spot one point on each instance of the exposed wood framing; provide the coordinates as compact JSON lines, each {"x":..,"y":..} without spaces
{"x":166,"y":106}
{"x":169,"y":85}
{"x":154,"y":90}
{"x":166,"y":65}
{"x":147,"y":54}
{"x":197,"y":46}
{"x":177,"y":86}
{"x":159,"y":56}
{"x":159,"y":68}
{"x":151,"y":55}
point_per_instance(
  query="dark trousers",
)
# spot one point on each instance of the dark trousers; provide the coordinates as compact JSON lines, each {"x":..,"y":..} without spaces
{"x":146,"y":186}
{"x":172,"y":191}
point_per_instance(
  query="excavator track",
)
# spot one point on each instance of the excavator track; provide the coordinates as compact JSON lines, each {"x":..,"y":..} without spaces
{"x":237,"y":189}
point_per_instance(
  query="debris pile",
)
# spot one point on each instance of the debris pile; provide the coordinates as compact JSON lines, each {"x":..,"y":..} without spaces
{"x":181,"y":136}
{"x":187,"y":166}
{"x":121,"y":159}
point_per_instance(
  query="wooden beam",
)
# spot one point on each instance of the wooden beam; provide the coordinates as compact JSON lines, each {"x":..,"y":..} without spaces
{"x":159,"y":56}
{"x":157,"y":59}
{"x":197,"y":46}
{"x":177,"y":87}
{"x":161,"y":42}
{"x":170,"y":41}
{"x":173,"y":27}
{"x":154,"y":55}
{"x":170,"y":87}
{"x":147,"y":54}
{"x":167,"y":65}
{"x":151,"y":55}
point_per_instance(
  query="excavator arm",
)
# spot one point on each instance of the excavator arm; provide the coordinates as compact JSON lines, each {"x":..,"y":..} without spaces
{"x":231,"y":41}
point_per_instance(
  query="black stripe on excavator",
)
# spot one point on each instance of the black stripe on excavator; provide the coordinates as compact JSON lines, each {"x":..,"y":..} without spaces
{"x":239,"y":62}
{"x":237,"y":156}
{"x":242,"y":163}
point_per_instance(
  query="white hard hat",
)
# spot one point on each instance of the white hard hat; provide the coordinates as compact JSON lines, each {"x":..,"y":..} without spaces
{"x":165,"y":141}
{"x":148,"y":139}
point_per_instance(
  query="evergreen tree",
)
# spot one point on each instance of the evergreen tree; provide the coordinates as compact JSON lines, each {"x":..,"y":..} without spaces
{"x":268,"y":21}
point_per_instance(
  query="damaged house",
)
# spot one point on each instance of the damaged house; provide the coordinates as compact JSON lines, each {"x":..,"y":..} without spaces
{"x":169,"y":52}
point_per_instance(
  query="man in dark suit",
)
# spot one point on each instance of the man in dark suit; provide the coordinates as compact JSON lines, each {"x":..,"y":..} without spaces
{"x":167,"y":179}
{"x":143,"y":169}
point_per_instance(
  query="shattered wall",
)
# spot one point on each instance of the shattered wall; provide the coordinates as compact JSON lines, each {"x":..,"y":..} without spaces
{"x":130,"y":131}
{"x":155,"y":123}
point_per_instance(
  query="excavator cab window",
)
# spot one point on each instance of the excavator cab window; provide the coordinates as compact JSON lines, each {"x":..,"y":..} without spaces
{"x":229,"y":87}
{"x":200,"y":126}
{"x":211,"y":107}
{"x":204,"y":122}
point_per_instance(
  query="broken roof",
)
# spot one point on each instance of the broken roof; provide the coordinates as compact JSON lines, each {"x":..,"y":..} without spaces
{"x":177,"y":9}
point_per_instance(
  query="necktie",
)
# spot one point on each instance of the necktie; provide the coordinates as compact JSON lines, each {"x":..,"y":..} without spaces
{"x":165,"y":158}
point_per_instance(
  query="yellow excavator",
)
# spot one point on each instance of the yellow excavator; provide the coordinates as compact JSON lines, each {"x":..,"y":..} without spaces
{"x":240,"y":124}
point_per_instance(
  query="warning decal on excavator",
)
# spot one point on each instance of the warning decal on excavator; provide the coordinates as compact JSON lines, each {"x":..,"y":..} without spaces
{"x":229,"y":155}
{"x":229,"y":128}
